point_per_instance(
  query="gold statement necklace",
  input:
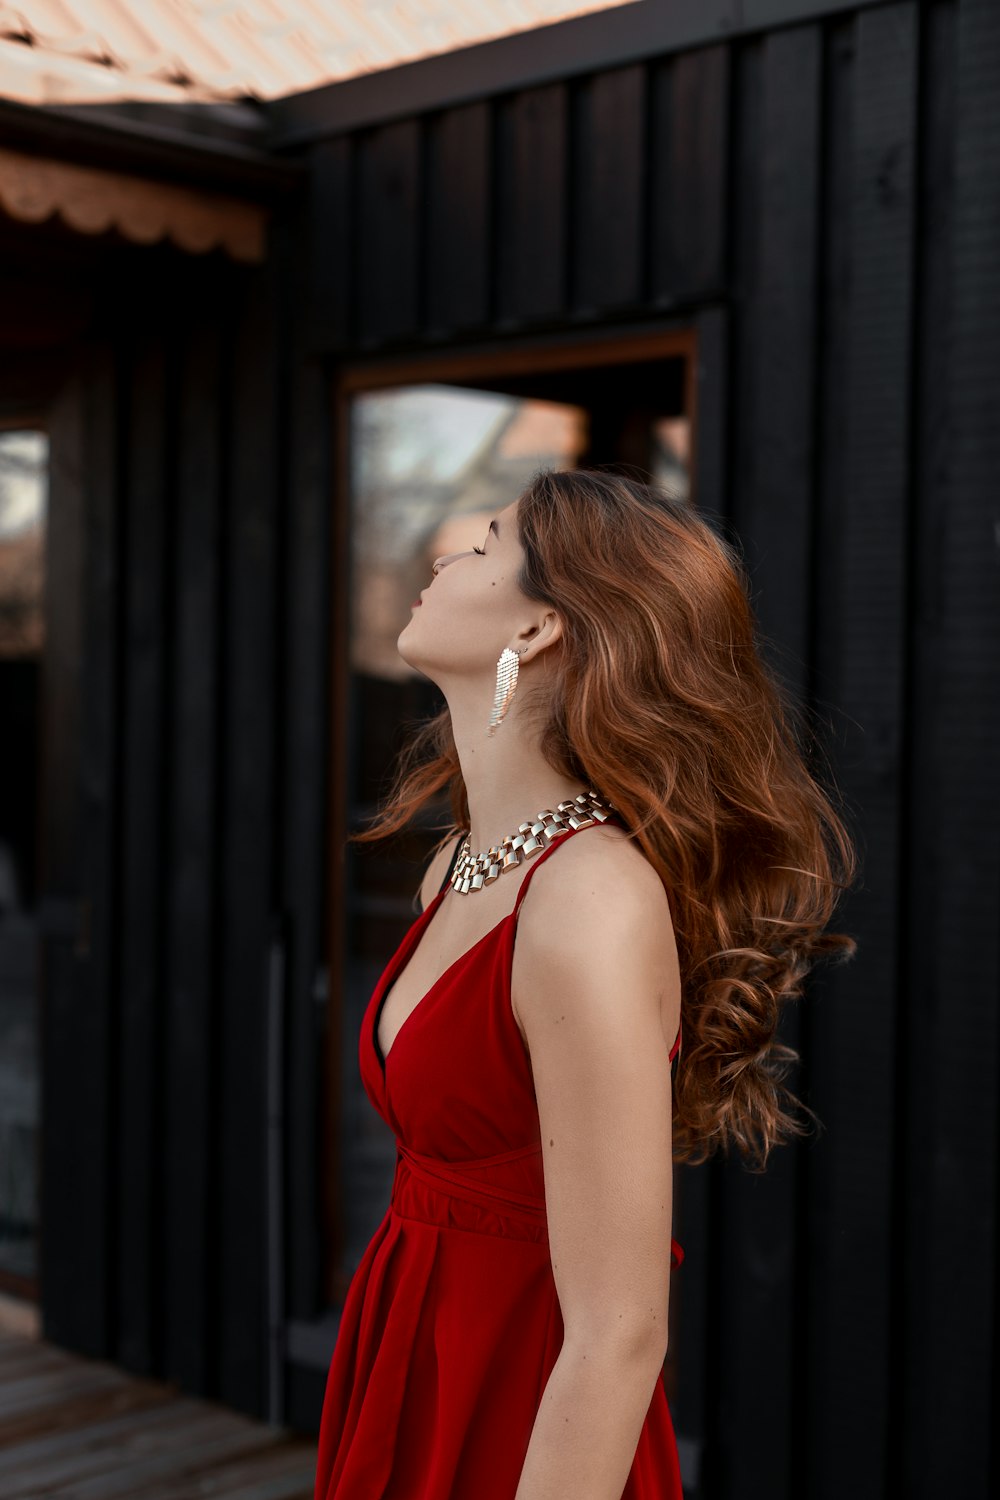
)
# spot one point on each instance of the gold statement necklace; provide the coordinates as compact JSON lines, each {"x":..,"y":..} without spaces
{"x":474,"y":871}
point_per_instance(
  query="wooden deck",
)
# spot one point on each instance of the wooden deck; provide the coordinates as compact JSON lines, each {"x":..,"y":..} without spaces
{"x":83,"y":1430}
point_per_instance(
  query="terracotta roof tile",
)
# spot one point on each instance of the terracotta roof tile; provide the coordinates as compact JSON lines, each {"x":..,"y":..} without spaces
{"x":77,"y":51}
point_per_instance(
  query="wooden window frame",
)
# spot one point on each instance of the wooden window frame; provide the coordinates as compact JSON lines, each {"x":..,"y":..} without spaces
{"x":475,"y":365}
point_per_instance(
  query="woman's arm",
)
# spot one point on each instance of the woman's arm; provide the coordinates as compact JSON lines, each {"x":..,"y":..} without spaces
{"x":595,"y":983}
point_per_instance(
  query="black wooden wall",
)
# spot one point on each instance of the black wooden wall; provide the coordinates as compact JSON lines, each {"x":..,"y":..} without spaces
{"x":819,"y":200}
{"x":185,"y":784}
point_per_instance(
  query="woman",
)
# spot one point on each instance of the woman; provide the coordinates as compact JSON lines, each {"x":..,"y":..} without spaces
{"x":609,"y":724}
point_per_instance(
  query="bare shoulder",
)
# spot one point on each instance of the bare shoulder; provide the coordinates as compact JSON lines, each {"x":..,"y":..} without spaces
{"x":436,"y":870}
{"x":599,"y":873}
{"x":596,"y":906}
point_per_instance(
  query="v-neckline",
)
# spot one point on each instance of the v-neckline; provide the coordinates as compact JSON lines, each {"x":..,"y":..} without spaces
{"x":405,"y":954}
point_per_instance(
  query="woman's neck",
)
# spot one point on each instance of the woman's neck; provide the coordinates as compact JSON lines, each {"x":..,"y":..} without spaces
{"x":507,"y":779}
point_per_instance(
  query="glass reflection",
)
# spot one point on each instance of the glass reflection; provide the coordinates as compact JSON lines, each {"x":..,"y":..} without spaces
{"x":23,"y":509}
{"x":429,"y":466}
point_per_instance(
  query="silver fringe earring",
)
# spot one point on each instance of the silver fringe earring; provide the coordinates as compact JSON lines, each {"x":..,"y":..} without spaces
{"x":507,"y":666}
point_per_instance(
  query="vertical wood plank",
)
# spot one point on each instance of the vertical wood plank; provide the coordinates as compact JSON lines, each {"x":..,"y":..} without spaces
{"x":710,"y":446}
{"x":609,"y":166}
{"x":80,"y":703}
{"x":254,"y":563}
{"x":725,"y":1465}
{"x":853,"y":1059}
{"x":926,"y":1449}
{"x":832,"y":1250}
{"x":94,"y":1027}
{"x":78,"y":1200}
{"x":946,"y":1359}
{"x":776,"y":277}
{"x":144,"y":856}
{"x":531,"y":202}
{"x":190,"y":1046}
{"x":688,"y":175}
{"x":458,"y":202}
{"x":329,"y":280}
{"x":389,"y":234}
{"x":304,"y":775}
{"x":340,"y":860}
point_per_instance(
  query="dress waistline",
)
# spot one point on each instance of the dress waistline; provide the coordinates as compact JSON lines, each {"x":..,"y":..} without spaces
{"x":455,"y":1180}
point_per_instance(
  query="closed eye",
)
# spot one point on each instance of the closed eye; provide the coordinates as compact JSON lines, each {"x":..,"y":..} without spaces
{"x":496,"y":530}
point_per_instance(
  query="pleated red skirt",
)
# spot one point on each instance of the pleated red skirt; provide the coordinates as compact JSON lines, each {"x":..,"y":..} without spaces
{"x":451,"y":1324}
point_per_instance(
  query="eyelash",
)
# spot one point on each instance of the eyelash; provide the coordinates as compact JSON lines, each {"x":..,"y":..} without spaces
{"x":480,"y":550}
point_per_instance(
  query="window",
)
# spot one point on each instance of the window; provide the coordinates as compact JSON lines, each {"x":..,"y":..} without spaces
{"x":23,"y":497}
{"x":427,"y":463}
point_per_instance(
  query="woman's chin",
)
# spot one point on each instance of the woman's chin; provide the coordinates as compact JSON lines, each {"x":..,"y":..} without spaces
{"x":412,"y":658}
{"x":401,"y":647}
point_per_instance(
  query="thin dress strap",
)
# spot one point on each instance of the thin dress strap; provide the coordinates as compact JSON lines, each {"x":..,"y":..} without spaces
{"x":540,"y":859}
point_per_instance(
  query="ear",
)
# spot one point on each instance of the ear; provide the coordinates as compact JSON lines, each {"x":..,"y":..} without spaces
{"x":539,"y":637}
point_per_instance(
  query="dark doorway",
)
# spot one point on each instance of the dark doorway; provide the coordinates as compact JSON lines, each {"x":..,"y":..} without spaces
{"x":426,"y":456}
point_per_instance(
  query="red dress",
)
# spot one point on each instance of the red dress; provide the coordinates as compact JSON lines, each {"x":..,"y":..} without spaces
{"x":451,"y":1323}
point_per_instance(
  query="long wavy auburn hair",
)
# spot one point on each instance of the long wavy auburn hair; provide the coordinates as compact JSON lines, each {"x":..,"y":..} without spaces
{"x":659,"y":700}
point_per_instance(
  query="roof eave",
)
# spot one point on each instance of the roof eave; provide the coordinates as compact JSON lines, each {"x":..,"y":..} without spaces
{"x":181,"y":144}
